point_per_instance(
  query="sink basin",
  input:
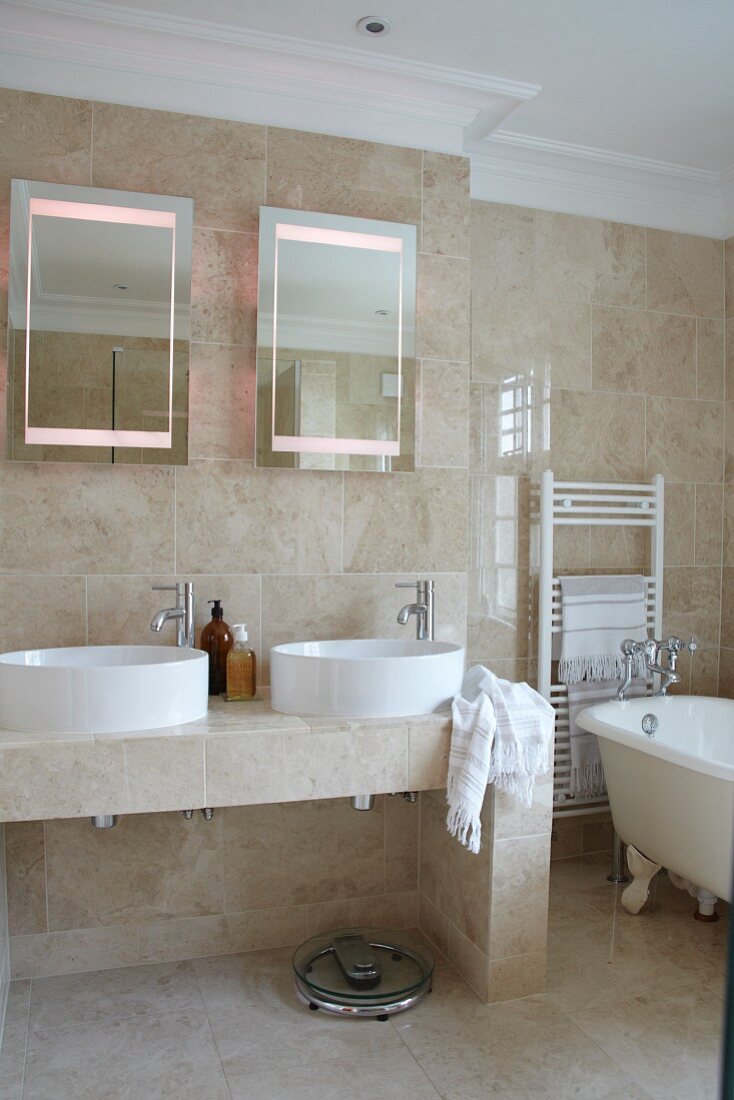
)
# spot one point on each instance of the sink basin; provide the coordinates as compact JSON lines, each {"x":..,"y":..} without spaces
{"x":102,"y":689}
{"x":365,"y":678}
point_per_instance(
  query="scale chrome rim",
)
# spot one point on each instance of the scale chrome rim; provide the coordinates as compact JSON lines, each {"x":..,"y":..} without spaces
{"x":310,"y":997}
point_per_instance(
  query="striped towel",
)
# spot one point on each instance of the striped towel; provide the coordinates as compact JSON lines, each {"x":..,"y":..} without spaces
{"x":502,"y":734}
{"x":598,"y":614}
{"x":587,"y":773}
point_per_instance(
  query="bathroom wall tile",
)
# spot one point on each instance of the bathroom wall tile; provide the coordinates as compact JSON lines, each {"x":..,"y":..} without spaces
{"x":728,"y":556}
{"x":635,"y":351}
{"x":44,"y":138}
{"x":148,"y":867}
{"x":343,"y":176}
{"x":327,"y":764}
{"x":519,"y":905}
{"x":469,"y":961}
{"x":398,"y":910}
{"x":195,"y":937}
{"x":684,"y":274}
{"x":434,"y":925}
{"x":567,"y":838}
{"x":684,"y":439}
{"x":620,"y":548}
{"x":221,"y":402}
{"x":218,"y":163}
{"x":446,"y":206}
{"x":726,"y":672}
{"x":727,"y":608}
{"x":429,"y":756}
{"x":499,"y":619}
{"x":691,"y":603}
{"x":325,"y":850}
{"x":444,"y":414}
{"x":224,"y":287}
{"x":165,"y":774}
{"x":230,"y":517}
{"x":132,"y":529}
{"x":710,"y":360}
{"x":416,"y":521}
{"x":37,"y":611}
{"x":512,"y":819}
{"x":705,"y":671}
{"x":502,"y":247}
{"x":74,"y":952}
{"x":680,"y":523}
{"x":513,"y":336}
{"x":709,"y":507}
{"x":729,"y":275}
{"x":729,"y":358}
{"x":25,"y":860}
{"x":443,"y":308}
{"x":62,"y":779}
{"x":455,"y":880}
{"x":401,"y":843}
{"x":354,"y":606}
{"x":245,"y":769}
{"x":589,"y":260}
{"x":729,"y":442}
{"x":15,"y":1033}
{"x":519,"y":976}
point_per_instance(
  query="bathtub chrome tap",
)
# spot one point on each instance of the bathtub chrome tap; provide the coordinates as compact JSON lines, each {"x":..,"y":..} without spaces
{"x":667,"y":673}
{"x":183,"y":613}
{"x":631,"y":649}
{"x":422,"y":609}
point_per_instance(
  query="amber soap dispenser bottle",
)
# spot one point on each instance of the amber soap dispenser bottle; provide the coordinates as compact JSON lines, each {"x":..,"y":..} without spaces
{"x":241,"y":667}
{"x":217,"y":640}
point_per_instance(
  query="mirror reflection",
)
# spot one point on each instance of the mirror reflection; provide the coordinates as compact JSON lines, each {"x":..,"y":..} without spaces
{"x":98,"y":334}
{"x":336,"y":321}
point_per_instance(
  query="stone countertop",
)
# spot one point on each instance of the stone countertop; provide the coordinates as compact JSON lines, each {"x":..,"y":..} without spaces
{"x":239,"y":754}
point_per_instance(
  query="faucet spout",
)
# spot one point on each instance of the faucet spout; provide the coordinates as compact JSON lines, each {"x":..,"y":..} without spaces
{"x":410,"y":609}
{"x":160,"y":618}
{"x":183,"y":613}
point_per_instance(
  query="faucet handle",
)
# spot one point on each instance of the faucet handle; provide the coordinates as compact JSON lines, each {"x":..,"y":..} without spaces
{"x":675,"y":644}
{"x":407,"y":584}
{"x":178,"y":588}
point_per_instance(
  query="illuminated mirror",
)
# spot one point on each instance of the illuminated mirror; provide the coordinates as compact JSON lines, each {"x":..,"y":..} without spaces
{"x":99,"y":325}
{"x":336,"y":342}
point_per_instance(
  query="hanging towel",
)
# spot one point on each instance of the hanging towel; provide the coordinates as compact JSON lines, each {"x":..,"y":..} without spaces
{"x":598,"y":614}
{"x":502,"y":734}
{"x":587,"y":774}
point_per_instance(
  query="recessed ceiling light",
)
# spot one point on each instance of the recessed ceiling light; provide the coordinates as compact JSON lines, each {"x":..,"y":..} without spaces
{"x":119,"y":286}
{"x":374,"y":26}
{"x":382,"y":312}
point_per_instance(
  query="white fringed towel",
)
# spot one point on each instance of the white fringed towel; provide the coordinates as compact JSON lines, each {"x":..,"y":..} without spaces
{"x":598,"y":614}
{"x":502,"y":734}
{"x":587,"y":773}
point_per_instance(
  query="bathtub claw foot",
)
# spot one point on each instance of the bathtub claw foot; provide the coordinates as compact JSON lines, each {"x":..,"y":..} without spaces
{"x":643,"y":870}
{"x":706,"y":911}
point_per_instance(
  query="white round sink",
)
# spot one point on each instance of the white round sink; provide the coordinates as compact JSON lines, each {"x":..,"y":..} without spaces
{"x":364,"y":678}
{"x":102,"y":689}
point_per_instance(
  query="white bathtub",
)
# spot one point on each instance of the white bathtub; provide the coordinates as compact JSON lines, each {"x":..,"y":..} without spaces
{"x":672,"y":795}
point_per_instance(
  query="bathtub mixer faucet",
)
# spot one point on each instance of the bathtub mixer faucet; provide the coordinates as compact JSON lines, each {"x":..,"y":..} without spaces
{"x":651,"y":650}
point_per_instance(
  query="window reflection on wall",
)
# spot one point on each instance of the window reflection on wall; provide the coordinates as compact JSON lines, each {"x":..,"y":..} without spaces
{"x":524,"y":414}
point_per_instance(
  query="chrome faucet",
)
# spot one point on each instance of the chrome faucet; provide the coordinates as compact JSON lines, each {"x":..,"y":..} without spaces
{"x":183,"y":613}
{"x":651,"y":650}
{"x":422,"y":609}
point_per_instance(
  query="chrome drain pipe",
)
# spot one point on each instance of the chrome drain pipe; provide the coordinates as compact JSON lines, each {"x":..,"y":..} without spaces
{"x":362,"y":801}
{"x":104,"y":821}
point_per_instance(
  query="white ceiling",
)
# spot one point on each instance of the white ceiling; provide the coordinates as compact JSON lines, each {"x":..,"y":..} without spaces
{"x":622,"y":110}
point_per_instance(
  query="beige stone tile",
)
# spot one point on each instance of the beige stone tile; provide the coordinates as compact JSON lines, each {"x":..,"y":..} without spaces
{"x":392,"y":1076}
{"x":729,"y":442}
{"x":680,"y":524}
{"x":709,"y":506}
{"x":165,"y":774}
{"x":727,"y":607}
{"x":401,"y":844}
{"x":398,"y":910}
{"x":231,"y":518}
{"x":37,"y":611}
{"x":598,"y":836}
{"x":684,"y":439}
{"x":729,"y":359}
{"x":218,"y":163}
{"x":82,"y":949}
{"x":413,"y":521}
{"x":62,"y":779}
{"x":726,"y":672}
{"x":224,"y":287}
{"x":518,"y":976}
{"x":132,"y":509}
{"x":691,"y":603}
{"x":245,"y":769}
{"x":221,"y":402}
{"x":705,"y":672}
{"x":444,"y":414}
{"x":326,"y":849}
{"x":332,"y":763}
{"x":499,"y":620}
{"x":26,"y":877}
{"x":44,"y":138}
{"x":434,"y":925}
{"x":429,"y":756}
{"x":502,"y":247}
{"x":519,"y":906}
{"x":589,"y":260}
{"x":353,"y":606}
{"x":685,"y":274}
{"x":512,"y":819}
{"x":468,"y":961}
{"x":169,"y":1052}
{"x":443,"y":328}
{"x":729,"y":275}
{"x":341,"y":176}
{"x":195,"y":937}
{"x":567,"y":838}
{"x":541,"y":342}
{"x":621,"y":547}
{"x":15,"y":1031}
{"x":454,"y":880}
{"x":635,"y":351}
{"x":148,"y":867}
{"x":728,"y":548}
{"x":446,"y":204}
{"x":710,"y":360}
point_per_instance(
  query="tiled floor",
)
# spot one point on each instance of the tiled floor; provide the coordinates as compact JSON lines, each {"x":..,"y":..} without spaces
{"x":633,"y":1011}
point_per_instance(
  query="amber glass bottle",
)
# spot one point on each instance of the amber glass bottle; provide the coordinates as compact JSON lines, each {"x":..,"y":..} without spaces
{"x":217,"y":640}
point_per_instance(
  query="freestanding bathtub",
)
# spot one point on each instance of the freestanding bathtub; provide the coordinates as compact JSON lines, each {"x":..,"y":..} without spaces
{"x":671,"y":791}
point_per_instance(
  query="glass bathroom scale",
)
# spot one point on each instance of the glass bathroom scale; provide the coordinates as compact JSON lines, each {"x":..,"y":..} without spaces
{"x":363,"y":972}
